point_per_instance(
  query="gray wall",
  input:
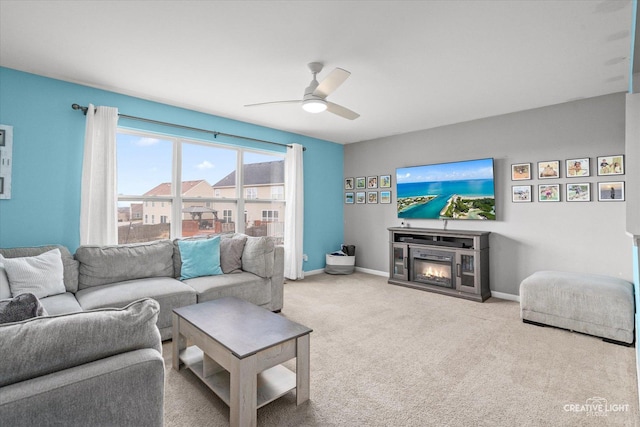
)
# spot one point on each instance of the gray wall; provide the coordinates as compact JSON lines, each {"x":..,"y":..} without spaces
{"x":526,"y":237}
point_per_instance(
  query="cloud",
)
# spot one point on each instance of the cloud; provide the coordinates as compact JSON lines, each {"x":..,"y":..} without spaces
{"x":145,"y":142}
{"x":205,"y":165}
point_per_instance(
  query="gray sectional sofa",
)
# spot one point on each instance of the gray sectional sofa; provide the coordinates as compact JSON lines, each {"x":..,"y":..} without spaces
{"x":114,"y":276}
{"x":95,"y":358}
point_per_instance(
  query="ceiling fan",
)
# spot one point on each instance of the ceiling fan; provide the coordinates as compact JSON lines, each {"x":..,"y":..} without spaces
{"x":314,"y":99}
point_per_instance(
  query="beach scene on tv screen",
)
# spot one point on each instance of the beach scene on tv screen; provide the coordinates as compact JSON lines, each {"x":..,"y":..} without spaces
{"x":457,"y":190}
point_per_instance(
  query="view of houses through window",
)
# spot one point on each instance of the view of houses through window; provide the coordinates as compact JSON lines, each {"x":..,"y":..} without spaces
{"x":161,"y":178}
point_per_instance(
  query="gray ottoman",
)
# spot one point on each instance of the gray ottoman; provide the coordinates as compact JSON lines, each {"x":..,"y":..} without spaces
{"x":596,"y":305}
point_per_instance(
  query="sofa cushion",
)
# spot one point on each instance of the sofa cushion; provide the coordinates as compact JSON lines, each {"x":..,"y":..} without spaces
{"x":41,"y":275}
{"x":100,"y":265}
{"x":5,"y":290}
{"x":61,"y":304}
{"x":256,"y":258}
{"x":246,"y":286}
{"x":22,"y":307}
{"x":199,"y":257}
{"x":70,"y":265}
{"x":231,"y":254}
{"x":167,"y":291}
{"x":43,"y":345}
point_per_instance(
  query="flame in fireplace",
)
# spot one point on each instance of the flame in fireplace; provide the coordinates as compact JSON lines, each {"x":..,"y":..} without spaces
{"x":434,"y":272}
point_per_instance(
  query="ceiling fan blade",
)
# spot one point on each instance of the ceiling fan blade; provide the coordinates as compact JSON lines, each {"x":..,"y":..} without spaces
{"x":331,"y":82}
{"x":341,"y":111}
{"x":295,"y":101}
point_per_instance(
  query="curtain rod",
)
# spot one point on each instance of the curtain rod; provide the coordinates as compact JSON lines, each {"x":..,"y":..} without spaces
{"x":213,"y":132}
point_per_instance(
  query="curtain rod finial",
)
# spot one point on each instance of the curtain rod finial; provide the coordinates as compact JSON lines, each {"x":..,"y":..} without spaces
{"x":79,"y":107}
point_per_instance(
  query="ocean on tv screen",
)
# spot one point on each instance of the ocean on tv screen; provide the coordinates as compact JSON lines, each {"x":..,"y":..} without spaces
{"x":460,"y":190}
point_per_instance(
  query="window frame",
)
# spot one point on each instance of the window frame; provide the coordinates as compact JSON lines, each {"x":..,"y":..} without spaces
{"x":176,"y":199}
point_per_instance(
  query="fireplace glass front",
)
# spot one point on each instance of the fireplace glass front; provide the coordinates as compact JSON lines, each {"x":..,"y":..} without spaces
{"x":432,"y":267}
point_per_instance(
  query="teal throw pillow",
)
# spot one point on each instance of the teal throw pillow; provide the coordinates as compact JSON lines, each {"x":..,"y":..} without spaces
{"x":200,"y":257}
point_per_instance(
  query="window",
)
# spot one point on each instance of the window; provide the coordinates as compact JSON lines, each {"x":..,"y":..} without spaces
{"x":269,"y":216}
{"x":251,"y":193}
{"x":277,"y":192}
{"x":204,"y":197}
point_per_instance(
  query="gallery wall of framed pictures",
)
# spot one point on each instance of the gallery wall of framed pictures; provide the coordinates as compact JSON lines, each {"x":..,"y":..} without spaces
{"x":608,"y":188}
{"x":370,"y":190}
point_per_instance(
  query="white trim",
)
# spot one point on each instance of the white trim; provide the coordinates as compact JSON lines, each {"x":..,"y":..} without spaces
{"x":313,"y":272}
{"x":509,"y":297}
{"x":374,"y":272}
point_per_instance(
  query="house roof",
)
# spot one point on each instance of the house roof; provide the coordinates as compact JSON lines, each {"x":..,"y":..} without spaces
{"x":164,"y":189}
{"x":263,"y":173}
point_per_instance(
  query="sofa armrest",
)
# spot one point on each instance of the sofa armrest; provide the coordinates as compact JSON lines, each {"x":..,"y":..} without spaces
{"x":277,"y":279}
{"x":69,"y":397}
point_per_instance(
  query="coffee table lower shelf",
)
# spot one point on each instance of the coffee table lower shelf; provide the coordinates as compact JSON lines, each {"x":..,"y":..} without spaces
{"x":272,"y":383}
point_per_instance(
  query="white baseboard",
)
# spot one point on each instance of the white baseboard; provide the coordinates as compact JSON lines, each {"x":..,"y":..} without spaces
{"x":313,"y":272}
{"x":509,"y":297}
{"x":501,"y":295}
{"x":374,"y":272}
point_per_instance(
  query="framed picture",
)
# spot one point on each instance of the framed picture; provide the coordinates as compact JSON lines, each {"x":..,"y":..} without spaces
{"x":360,"y":197}
{"x":520,"y":171}
{"x":549,"y":192}
{"x":611,"y":191}
{"x":385,"y":181}
{"x":372,"y":182}
{"x":579,"y":192}
{"x":385,"y":197}
{"x":611,"y":165}
{"x":361,"y":182}
{"x":349,"y":184}
{"x":348,"y":198}
{"x":576,"y":168}
{"x":372,"y":197}
{"x":521,"y":193}
{"x":549,"y":169}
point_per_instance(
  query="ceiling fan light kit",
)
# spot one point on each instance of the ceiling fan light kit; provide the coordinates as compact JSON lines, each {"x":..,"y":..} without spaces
{"x":314,"y":105}
{"x":314,"y":99}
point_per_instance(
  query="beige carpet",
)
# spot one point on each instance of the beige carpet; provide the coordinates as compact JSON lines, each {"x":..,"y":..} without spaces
{"x":384,"y":355}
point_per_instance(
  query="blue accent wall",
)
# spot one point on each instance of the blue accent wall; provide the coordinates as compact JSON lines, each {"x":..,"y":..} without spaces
{"x":48,"y":139}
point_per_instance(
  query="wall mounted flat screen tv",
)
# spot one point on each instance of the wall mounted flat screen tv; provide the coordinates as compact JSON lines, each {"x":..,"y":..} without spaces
{"x":457,"y":190}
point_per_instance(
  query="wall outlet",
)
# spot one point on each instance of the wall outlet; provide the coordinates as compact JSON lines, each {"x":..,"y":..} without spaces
{"x":305,"y":257}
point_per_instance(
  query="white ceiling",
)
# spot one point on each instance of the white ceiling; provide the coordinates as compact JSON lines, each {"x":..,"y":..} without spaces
{"x":414,"y":64}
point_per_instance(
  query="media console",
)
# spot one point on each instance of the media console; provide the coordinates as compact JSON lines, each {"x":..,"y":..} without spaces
{"x":454,"y":262}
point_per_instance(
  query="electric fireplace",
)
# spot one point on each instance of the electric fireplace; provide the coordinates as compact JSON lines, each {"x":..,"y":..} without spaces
{"x":432,"y":267}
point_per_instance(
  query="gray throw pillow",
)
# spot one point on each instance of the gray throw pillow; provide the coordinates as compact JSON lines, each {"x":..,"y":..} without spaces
{"x":22,"y":307}
{"x":231,"y":254}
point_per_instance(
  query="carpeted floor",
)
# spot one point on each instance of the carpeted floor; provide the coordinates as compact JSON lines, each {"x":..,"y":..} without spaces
{"x":384,"y":355}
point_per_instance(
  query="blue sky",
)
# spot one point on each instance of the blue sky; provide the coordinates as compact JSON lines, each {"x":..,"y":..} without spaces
{"x":456,"y":171}
{"x":145,"y":162}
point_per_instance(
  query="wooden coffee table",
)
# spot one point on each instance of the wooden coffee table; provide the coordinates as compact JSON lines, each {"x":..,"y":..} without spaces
{"x":237,"y":352}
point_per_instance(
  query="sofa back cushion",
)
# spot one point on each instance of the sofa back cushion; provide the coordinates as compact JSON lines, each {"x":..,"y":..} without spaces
{"x":257,"y":257}
{"x":69,"y":264}
{"x":100,"y":265}
{"x":43,"y":345}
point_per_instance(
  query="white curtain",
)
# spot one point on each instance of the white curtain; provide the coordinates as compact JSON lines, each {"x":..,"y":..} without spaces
{"x":98,"y":210}
{"x":294,"y":213}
